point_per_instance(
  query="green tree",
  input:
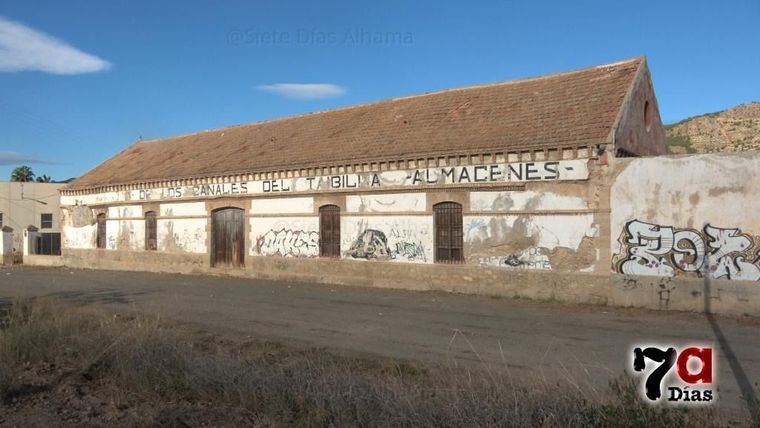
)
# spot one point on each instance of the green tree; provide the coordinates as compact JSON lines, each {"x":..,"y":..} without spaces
{"x":22,"y":173}
{"x":44,"y":178}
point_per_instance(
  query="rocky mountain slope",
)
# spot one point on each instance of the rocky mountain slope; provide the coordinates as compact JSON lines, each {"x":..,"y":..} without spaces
{"x":732,"y":130}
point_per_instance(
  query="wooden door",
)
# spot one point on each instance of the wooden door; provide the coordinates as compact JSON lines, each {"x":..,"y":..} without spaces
{"x":101,"y":238}
{"x":227,"y":237}
{"x":447,"y":219}
{"x":329,"y":231}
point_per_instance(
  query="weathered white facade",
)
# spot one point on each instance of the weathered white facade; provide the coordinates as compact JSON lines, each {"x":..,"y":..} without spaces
{"x":385,"y":216}
{"x":693,"y":215}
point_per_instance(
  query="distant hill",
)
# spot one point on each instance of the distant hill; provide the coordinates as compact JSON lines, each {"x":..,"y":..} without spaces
{"x":733,"y":130}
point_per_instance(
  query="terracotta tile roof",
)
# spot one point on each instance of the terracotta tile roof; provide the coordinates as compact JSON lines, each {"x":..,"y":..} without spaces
{"x":571,"y":109}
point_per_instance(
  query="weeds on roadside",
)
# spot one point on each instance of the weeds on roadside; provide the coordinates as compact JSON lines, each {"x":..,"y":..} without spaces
{"x":140,"y":361}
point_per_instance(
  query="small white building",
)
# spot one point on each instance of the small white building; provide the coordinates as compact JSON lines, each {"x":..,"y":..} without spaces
{"x":25,"y":204}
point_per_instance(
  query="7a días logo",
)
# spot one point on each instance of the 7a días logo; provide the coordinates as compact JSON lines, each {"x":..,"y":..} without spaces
{"x":693,"y":377}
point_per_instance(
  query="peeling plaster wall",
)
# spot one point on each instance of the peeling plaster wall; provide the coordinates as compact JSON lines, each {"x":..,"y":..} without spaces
{"x":389,"y":202}
{"x":183,"y":209}
{"x":82,"y":238}
{"x":125,"y":228}
{"x":524,"y":201}
{"x":78,"y":229}
{"x":398,"y":227}
{"x":283,"y":206}
{"x":125,"y":211}
{"x":125,"y":234}
{"x":285,"y":236}
{"x":691,"y":215}
{"x":182,"y":235}
{"x":387,"y":238}
{"x":537,"y":224}
{"x":549,"y":241}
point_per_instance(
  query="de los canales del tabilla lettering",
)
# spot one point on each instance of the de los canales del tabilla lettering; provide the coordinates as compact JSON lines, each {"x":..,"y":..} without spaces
{"x":575,"y":169}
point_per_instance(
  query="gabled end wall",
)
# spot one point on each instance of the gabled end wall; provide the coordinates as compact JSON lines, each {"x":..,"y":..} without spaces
{"x":639,"y":130}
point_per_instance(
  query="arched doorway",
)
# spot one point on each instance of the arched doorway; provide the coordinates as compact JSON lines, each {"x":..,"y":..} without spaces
{"x":227,"y":237}
{"x":449,"y":236}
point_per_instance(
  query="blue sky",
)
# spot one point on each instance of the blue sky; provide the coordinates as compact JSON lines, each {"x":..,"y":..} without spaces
{"x":81,"y":80}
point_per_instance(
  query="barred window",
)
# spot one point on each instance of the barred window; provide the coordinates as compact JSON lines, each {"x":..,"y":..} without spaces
{"x":447,"y":218}
{"x":151,"y":240}
{"x":46,"y":221}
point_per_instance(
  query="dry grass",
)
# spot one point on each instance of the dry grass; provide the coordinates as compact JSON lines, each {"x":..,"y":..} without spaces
{"x":82,"y":366}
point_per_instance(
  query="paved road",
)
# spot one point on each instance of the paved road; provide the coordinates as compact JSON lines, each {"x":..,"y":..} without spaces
{"x":586,"y":344}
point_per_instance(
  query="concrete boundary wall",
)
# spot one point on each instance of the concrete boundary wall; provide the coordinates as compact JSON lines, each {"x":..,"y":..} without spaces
{"x":42,"y":260}
{"x":735,"y":298}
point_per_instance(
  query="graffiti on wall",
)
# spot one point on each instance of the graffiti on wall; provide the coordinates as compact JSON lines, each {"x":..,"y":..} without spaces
{"x":529,"y":258}
{"x":373,"y":244}
{"x":288,"y":243}
{"x":405,"y":244}
{"x":370,"y":244}
{"x":408,"y":250}
{"x":714,"y":252}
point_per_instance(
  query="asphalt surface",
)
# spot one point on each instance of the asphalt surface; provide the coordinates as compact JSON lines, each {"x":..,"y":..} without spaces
{"x":586,"y":345}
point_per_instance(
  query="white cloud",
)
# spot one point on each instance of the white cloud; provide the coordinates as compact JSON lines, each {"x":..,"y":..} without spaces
{"x":14,"y":158}
{"x":23,"y":48}
{"x":304,"y":91}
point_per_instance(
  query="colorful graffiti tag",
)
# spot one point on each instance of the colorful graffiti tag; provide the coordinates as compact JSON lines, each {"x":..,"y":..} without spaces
{"x":714,"y":252}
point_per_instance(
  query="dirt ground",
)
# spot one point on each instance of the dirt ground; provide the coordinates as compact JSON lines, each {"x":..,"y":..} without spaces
{"x":587,"y":345}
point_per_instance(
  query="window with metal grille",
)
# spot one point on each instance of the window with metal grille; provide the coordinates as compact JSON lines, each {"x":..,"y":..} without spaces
{"x":447,"y":219}
{"x":329,"y":231}
{"x":151,"y":239}
{"x":46,"y":221}
{"x":101,"y":239}
{"x":48,"y":244}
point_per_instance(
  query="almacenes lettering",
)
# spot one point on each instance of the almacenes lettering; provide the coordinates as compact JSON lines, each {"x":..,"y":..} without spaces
{"x":464,"y":174}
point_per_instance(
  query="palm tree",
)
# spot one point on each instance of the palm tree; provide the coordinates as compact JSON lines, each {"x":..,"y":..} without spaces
{"x":22,"y":173}
{"x":44,"y":178}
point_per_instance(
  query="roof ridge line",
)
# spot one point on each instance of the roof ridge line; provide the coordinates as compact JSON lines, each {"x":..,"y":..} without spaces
{"x":403,"y":97}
